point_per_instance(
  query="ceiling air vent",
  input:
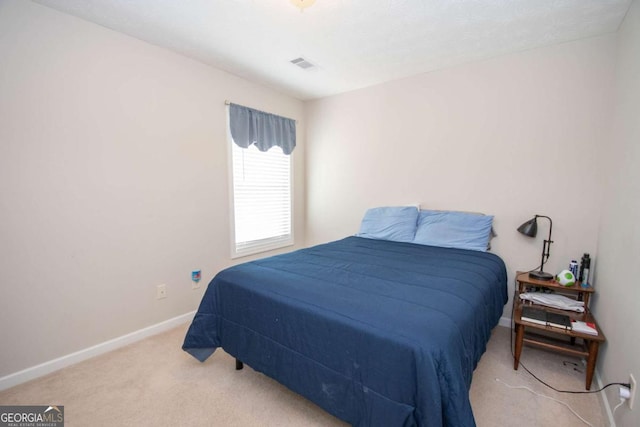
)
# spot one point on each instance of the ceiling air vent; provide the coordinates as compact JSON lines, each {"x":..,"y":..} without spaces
{"x":302,"y":63}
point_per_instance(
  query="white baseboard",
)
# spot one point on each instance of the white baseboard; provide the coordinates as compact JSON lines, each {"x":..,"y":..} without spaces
{"x":505,"y":321}
{"x":70,"y":359}
{"x":605,"y":401}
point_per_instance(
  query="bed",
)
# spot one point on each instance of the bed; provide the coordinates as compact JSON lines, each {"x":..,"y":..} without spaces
{"x":376,"y":332}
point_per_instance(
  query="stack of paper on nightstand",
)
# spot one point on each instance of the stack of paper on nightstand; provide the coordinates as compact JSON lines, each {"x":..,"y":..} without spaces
{"x":553,"y":300}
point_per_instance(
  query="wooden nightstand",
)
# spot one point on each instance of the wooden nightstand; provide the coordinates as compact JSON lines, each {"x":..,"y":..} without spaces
{"x":552,"y":338}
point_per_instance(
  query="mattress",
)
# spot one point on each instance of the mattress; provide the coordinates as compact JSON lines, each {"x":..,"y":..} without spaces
{"x":377,"y":333}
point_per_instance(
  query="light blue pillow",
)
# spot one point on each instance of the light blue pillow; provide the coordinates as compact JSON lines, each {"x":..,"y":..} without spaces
{"x":454,"y":230}
{"x":390,"y":223}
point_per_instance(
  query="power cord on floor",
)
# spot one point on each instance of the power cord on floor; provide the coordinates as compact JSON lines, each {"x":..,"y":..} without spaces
{"x":548,"y":397}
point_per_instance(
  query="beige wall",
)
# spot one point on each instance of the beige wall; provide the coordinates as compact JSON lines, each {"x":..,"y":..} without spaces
{"x":113,"y":179}
{"x":512,"y":136}
{"x":619,"y":242}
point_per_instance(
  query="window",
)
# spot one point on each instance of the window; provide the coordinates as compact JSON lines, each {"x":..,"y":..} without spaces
{"x":261,"y":199}
{"x":261,"y":146}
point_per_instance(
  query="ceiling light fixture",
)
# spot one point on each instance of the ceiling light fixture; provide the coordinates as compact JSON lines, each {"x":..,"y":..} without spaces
{"x":302,"y":4}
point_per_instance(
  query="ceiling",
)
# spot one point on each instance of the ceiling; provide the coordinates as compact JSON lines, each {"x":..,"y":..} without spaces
{"x":352,"y":43}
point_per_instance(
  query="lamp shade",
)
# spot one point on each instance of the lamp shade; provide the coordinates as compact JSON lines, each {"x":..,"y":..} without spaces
{"x":529,"y":228}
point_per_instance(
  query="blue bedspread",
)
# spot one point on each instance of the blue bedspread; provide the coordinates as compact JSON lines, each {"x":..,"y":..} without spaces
{"x":377,"y":333}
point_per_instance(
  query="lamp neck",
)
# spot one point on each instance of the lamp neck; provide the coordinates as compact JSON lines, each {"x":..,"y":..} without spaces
{"x":546,"y":246}
{"x":550,"y":225}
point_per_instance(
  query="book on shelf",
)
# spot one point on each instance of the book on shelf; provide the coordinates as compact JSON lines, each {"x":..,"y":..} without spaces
{"x":584,"y":327}
{"x":546,"y":318}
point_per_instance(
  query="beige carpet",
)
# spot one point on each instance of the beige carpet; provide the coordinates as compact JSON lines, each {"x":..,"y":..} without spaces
{"x":154,"y":383}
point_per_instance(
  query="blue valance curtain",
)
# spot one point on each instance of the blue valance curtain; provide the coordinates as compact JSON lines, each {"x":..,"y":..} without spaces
{"x":249,"y":126}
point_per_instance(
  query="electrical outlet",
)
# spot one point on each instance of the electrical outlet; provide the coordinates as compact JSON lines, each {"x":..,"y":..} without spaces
{"x":161,"y":291}
{"x":195,"y":285}
{"x":632,"y":381}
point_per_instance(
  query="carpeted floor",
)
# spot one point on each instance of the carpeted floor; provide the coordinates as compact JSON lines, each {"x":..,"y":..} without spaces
{"x":154,"y":383}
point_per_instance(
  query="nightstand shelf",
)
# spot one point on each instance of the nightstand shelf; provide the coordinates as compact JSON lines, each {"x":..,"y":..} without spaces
{"x":552,"y":338}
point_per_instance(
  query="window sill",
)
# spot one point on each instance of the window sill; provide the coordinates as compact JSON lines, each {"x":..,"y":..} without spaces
{"x":261,"y":249}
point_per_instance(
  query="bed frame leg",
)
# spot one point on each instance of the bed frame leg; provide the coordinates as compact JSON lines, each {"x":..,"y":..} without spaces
{"x":239,"y":365}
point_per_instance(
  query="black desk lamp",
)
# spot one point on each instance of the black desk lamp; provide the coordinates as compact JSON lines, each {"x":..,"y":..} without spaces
{"x":530,"y":228}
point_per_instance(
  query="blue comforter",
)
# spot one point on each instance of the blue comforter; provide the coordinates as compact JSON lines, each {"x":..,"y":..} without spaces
{"x":377,"y":333}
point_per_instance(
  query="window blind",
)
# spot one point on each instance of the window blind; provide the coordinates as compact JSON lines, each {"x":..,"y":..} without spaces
{"x":261,"y":199}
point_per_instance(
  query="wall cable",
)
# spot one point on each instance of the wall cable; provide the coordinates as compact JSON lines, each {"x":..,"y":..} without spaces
{"x":546,"y":397}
